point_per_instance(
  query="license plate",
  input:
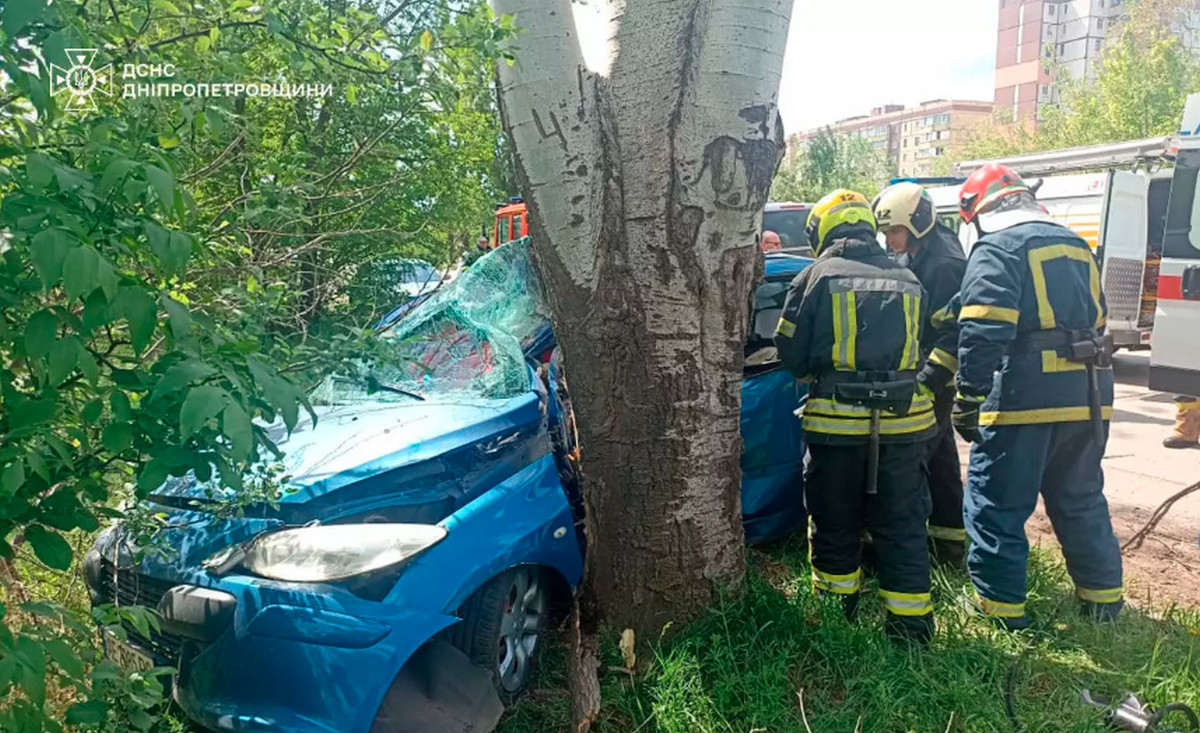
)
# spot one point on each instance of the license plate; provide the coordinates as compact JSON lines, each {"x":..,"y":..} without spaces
{"x":124,"y":655}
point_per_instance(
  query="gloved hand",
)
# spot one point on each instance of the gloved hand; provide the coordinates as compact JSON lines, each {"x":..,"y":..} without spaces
{"x":935,"y":377}
{"x":965,"y":417}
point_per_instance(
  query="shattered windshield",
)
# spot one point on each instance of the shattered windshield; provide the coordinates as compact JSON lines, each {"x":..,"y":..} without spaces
{"x":464,"y":341}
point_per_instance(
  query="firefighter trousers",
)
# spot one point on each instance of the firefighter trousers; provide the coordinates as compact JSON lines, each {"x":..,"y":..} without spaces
{"x":1007,"y":471}
{"x":835,"y":489}
{"x":942,"y":473}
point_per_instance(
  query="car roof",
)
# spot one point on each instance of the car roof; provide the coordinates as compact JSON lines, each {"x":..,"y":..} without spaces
{"x":779,"y":264}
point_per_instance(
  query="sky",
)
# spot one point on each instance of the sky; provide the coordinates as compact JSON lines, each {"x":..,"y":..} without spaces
{"x":893,"y":51}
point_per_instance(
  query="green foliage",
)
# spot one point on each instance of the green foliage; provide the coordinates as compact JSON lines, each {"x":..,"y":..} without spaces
{"x":743,"y":665}
{"x":827,"y":162}
{"x":174,"y":272}
{"x":1144,"y":75}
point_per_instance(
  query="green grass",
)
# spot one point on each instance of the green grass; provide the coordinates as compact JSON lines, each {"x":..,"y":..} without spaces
{"x":739,"y":668}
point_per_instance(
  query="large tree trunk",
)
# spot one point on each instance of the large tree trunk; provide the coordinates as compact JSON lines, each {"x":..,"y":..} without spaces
{"x":646,"y":181}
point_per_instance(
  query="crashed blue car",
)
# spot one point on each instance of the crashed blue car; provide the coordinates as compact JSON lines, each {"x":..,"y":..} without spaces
{"x":430,"y":526}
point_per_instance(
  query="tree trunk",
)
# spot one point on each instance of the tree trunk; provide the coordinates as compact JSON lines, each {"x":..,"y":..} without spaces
{"x":646,"y":185}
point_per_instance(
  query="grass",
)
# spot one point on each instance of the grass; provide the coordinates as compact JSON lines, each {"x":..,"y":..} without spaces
{"x":740,"y":667}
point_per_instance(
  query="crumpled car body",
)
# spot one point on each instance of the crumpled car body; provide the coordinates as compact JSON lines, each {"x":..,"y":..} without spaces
{"x":487,"y":466}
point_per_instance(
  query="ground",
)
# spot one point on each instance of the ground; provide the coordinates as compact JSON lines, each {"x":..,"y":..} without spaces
{"x":777,"y":659}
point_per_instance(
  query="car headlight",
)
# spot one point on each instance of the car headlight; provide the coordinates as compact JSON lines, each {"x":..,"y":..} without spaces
{"x":325,"y":553}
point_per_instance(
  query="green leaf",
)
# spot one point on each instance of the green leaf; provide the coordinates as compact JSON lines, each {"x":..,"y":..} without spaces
{"x":49,"y":250}
{"x":29,"y":413}
{"x":178,"y":316}
{"x":121,"y":409}
{"x":203,"y":43}
{"x":38,"y":464}
{"x":88,"y":365}
{"x":13,"y":477}
{"x":65,"y":657}
{"x":180,"y":376}
{"x":40,"y":169}
{"x":352,"y":93}
{"x":95,"y":311}
{"x":8,"y":668}
{"x":92,"y":411}
{"x":39,"y":333}
{"x":170,"y":247}
{"x":115,"y":172}
{"x":107,"y":277}
{"x":152,"y":476}
{"x":92,"y":712}
{"x":236,"y":425}
{"x":169,"y":140}
{"x":139,"y":310}
{"x":18,"y":15}
{"x":203,"y":403}
{"x":50,"y":547}
{"x":64,"y":356}
{"x":118,"y":436}
{"x":164,"y":186}
{"x":141,"y":720}
{"x":426,"y":40}
{"x":278,"y":392}
{"x":79,"y":272}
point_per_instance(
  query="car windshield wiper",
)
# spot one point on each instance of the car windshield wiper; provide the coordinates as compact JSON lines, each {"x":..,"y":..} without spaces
{"x":374,"y":385}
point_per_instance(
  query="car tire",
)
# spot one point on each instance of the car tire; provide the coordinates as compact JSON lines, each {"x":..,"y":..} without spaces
{"x":502,"y":626}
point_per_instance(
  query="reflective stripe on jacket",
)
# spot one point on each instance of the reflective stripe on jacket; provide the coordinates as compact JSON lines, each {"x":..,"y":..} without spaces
{"x":1037,"y":276}
{"x":855,"y":310}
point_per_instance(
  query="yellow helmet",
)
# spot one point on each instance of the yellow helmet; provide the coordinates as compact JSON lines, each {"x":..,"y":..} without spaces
{"x":839,"y":208}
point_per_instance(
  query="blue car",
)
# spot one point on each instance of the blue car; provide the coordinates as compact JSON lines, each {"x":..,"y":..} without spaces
{"x":429,"y":527}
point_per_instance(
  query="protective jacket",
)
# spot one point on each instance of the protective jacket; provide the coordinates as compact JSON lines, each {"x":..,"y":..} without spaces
{"x":855,"y":316}
{"x":939,"y":264}
{"x":1029,"y":292}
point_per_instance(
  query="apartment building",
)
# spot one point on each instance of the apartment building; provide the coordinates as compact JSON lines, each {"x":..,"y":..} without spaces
{"x":912,"y":138}
{"x":1037,"y":36}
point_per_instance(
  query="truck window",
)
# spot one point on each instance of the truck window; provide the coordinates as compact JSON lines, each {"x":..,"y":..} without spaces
{"x":1181,"y":238}
{"x":1160,"y":191}
{"x":503,"y":230}
{"x":789,"y":224}
{"x":518,"y":228}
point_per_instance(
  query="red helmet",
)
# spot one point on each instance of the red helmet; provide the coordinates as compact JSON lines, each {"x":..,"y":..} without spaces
{"x":985,"y":187}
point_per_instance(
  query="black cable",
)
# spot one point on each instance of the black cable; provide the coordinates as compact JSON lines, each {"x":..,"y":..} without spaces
{"x":1175,"y":707}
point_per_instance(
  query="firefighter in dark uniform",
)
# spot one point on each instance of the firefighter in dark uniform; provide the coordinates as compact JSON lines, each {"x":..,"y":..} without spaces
{"x":851,"y":325}
{"x":906,"y":216}
{"x":1035,"y":392}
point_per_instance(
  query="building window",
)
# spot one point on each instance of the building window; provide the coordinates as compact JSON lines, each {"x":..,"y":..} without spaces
{"x":1097,"y":43}
{"x":1053,"y":9}
{"x":1100,"y":24}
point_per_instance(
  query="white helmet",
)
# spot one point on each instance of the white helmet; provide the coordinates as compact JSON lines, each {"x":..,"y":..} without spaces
{"x":905,"y":204}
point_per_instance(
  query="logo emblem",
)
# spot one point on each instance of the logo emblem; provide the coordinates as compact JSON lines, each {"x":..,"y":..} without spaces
{"x":80,"y":80}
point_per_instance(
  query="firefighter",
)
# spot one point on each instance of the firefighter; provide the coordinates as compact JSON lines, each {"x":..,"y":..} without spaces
{"x":1187,"y":423}
{"x":1035,"y":392}
{"x":905,"y":215}
{"x":851,"y":325}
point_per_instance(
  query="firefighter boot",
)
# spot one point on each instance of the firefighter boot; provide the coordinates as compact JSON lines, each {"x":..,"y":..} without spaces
{"x":1104,"y":612}
{"x":1187,"y":424}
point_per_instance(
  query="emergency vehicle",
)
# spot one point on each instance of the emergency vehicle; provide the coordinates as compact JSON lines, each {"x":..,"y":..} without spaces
{"x":1119,"y":211}
{"x":511,"y":222}
{"x":1142,"y":217}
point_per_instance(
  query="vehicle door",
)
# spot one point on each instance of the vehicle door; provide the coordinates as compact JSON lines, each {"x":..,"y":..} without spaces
{"x":1124,"y":236}
{"x":1175,"y":355}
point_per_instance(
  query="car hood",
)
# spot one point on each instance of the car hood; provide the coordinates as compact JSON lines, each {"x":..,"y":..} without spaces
{"x":350,"y":443}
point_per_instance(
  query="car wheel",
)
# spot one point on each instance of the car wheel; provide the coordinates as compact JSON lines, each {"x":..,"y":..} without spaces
{"x":502,"y":624}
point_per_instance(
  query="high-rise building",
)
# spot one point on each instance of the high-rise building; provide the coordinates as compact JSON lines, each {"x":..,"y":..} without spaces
{"x":1036,"y":37}
{"x":913,"y":139}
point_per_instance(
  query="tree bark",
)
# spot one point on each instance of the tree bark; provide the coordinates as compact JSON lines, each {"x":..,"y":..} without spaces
{"x":646,"y":185}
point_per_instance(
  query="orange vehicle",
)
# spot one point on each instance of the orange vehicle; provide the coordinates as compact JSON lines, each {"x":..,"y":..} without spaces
{"x":512,"y":222}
